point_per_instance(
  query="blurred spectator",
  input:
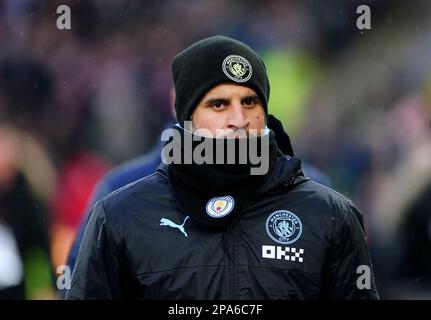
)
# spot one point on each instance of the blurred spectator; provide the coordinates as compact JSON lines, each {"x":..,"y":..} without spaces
{"x":23,"y":212}
{"x":76,"y":181}
{"x":11,"y":268}
{"x":401,"y":203}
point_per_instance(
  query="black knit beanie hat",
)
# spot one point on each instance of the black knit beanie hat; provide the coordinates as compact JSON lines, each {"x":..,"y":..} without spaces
{"x":212,"y":61}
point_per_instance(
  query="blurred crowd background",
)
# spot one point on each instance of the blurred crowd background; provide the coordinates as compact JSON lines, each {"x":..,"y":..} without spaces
{"x":76,"y":103}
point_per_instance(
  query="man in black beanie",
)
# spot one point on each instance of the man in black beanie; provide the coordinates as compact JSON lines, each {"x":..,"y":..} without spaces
{"x":203,"y":227}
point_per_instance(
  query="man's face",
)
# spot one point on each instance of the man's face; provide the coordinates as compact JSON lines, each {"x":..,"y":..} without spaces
{"x":233,"y":108}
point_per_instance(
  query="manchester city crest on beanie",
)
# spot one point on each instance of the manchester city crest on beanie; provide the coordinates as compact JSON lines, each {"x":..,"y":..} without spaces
{"x":212,"y":61}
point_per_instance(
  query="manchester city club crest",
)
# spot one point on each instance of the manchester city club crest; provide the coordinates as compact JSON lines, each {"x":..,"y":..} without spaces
{"x":220,"y":207}
{"x":237,"y":68}
{"x":283,"y":227}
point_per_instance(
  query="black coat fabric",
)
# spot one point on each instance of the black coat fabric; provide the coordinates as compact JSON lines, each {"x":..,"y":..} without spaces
{"x":128,"y":254}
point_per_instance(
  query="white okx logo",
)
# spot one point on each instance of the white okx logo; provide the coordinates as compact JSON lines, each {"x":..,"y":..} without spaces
{"x":169,"y":223}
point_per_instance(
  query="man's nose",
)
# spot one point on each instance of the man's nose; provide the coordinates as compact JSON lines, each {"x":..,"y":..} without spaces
{"x":237,"y":117}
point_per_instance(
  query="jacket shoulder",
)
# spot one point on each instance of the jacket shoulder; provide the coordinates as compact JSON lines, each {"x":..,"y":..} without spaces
{"x":136,"y":196}
{"x":327,"y":199}
{"x":154,"y":180}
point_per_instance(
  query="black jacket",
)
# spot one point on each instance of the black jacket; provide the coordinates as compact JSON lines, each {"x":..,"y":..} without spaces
{"x":296,"y":240}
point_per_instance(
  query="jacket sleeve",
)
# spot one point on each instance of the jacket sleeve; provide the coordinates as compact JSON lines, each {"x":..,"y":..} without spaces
{"x":96,"y":274}
{"x":351,"y":273}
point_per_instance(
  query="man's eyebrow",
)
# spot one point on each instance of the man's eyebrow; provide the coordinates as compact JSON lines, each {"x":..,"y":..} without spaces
{"x":250,"y":96}
{"x":226,"y":100}
{"x":212,"y":100}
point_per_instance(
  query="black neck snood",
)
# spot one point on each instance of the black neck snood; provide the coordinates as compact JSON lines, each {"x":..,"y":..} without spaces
{"x":213,"y":194}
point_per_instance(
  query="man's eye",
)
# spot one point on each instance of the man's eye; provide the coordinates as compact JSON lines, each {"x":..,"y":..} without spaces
{"x":250,"y":101}
{"x":217,"y":105}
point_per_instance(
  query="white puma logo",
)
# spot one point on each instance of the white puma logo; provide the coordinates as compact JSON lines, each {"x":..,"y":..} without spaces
{"x":167,"y":222}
